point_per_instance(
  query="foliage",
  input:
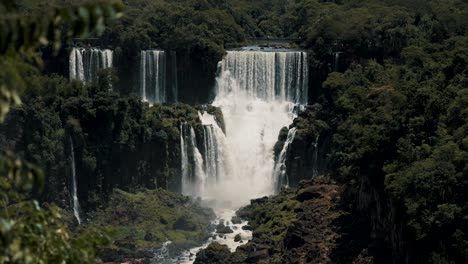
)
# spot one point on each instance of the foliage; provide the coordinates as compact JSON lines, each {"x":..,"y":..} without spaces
{"x":118,"y":141}
{"x":148,"y":218}
{"x":22,"y":33}
{"x":32,"y":233}
{"x":405,"y":126}
{"x":396,"y":118}
{"x":271,"y":217}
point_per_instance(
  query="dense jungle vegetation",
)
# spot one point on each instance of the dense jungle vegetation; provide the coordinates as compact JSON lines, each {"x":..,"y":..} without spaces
{"x":392,"y":120}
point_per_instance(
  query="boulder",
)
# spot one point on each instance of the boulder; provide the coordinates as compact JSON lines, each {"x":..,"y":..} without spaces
{"x":214,"y":253}
{"x":236,"y":220}
{"x":148,"y":236}
{"x":224,"y":230}
{"x":247,"y":227}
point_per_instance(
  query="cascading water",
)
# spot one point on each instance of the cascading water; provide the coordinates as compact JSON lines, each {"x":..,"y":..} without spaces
{"x":84,"y":63}
{"x":280,"y":166}
{"x":201,"y":173}
{"x":337,"y":61}
{"x":257,"y":92}
{"x":75,"y":202}
{"x":154,"y":87}
{"x":153,"y":76}
{"x":268,"y":76}
{"x":193,"y":176}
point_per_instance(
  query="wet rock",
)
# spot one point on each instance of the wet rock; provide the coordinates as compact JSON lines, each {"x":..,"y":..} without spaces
{"x":214,"y":253}
{"x":237,"y":238}
{"x":236,"y":220}
{"x":148,"y":236}
{"x":163,"y":220}
{"x":224,"y":230}
{"x":247,"y":227}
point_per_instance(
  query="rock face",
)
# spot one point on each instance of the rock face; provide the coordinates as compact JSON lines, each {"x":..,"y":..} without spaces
{"x":312,"y":238}
{"x":296,"y":226}
{"x":119,"y":142}
{"x":306,"y":157}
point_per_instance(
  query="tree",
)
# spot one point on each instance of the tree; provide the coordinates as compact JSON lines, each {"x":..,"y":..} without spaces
{"x":31,"y":233}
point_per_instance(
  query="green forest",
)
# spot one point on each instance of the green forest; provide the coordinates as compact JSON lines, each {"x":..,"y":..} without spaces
{"x":377,"y":165}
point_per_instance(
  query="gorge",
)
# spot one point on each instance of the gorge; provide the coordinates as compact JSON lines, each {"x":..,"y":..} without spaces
{"x":233,"y":131}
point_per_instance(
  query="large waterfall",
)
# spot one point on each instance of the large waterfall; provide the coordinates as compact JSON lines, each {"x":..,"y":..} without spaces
{"x":74,"y":192}
{"x":269,"y":76}
{"x":84,"y":63}
{"x":154,"y":84}
{"x":257,"y":93}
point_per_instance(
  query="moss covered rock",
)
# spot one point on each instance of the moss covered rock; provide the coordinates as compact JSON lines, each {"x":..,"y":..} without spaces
{"x":142,"y":221}
{"x":215,"y":253}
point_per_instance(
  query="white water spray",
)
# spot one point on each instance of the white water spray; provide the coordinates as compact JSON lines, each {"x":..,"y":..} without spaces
{"x":257,"y":93}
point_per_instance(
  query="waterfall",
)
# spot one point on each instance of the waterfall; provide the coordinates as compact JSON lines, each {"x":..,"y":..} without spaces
{"x":75,"y":202}
{"x":269,"y":76}
{"x":258,"y":93}
{"x":84,"y":63}
{"x":153,"y":76}
{"x":201,"y":172}
{"x":337,"y":61}
{"x":184,"y":159}
{"x":156,"y":84}
{"x":193,"y":176}
{"x":314,"y":162}
{"x":279,"y":174}
{"x":211,"y":151}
